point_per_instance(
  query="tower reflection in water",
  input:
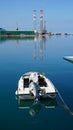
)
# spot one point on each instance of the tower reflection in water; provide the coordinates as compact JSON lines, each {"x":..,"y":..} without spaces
{"x":39,"y":42}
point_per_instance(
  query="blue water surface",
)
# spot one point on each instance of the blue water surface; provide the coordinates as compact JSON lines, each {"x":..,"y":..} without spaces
{"x":18,"y":56}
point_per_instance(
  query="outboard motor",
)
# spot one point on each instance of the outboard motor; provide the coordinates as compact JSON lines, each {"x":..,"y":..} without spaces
{"x":34,"y":90}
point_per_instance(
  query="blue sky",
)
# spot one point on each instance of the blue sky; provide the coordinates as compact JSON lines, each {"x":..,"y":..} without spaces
{"x":58,"y":14}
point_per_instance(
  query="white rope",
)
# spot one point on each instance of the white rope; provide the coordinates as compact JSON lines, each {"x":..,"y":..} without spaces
{"x":65,"y":105}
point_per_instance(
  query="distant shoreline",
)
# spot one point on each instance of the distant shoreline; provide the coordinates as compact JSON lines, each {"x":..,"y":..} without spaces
{"x":26,"y":35}
{"x":17,"y":33}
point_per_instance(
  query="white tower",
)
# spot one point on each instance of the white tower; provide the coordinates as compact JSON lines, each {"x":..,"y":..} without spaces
{"x":41,"y":21}
{"x":34,"y":20}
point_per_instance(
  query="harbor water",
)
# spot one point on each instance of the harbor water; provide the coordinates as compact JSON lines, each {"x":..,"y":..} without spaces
{"x":44,"y":54}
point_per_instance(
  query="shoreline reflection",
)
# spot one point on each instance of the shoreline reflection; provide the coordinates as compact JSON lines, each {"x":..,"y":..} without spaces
{"x":38,"y":42}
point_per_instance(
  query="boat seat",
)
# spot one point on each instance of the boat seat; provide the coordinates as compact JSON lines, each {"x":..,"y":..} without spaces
{"x":42,"y":82}
{"x":26,"y":82}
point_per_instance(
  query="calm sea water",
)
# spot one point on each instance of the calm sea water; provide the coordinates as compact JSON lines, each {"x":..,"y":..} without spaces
{"x":18,"y":56}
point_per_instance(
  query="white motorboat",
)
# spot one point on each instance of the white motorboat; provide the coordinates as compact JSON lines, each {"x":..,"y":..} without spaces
{"x":68,"y":58}
{"x":35,"y":85}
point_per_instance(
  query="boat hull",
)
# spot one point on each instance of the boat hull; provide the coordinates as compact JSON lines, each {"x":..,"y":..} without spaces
{"x":30,"y":97}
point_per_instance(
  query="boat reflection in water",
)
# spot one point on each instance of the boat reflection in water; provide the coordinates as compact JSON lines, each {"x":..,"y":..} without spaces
{"x":35,"y":107}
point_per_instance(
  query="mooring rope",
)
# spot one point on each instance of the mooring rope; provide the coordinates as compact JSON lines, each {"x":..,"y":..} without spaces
{"x":65,"y":105}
